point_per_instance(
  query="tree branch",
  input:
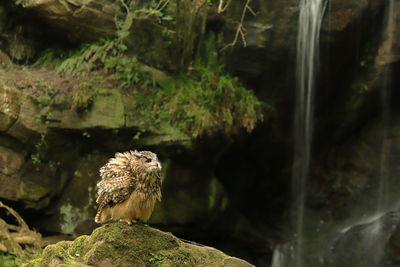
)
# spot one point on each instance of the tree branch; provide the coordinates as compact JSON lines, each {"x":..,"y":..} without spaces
{"x":13,"y":237}
{"x":241,"y":30}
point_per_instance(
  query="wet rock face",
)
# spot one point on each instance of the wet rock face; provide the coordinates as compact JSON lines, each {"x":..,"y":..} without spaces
{"x":343,"y":13}
{"x":346,"y":142}
{"x":349,"y":247}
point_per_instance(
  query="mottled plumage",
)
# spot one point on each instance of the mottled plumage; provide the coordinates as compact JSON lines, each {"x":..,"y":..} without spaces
{"x":129,"y":187}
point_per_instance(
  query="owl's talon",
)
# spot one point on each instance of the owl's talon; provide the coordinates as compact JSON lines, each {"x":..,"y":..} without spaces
{"x":129,"y":222}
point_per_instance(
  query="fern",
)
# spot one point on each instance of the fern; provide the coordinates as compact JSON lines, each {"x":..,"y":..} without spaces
{"x":206,"y":102}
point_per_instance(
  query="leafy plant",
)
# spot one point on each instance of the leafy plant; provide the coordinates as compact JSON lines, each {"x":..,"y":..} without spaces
{"x":85,"y":59}
{"x":9,"y":260}
{"x":199,"y":100}
{"x":205,"y":102}
{"x":83,"y":95}
{"x":156,"y":259}
{"x":39,"y":147}
{"x":126,"y":70}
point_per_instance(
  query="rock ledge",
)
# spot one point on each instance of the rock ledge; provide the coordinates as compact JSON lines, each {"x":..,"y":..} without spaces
{"x":118,"y":244}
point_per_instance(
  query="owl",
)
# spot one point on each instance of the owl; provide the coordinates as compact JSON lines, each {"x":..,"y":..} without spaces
{"x":129,"y":187}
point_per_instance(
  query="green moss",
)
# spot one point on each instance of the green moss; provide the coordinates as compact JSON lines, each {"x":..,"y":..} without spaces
{"x":78,"y":246}
{"x":33,"y":263}
{"x":9,"y":260}
{"x":201,"y":100}
{"x":214,"y":194}
{"x":58,"y":251}
{"x":31,"y":191}
{"x":137,"y":245}
{"x":205,"y":102}
{"x":84,"y":94}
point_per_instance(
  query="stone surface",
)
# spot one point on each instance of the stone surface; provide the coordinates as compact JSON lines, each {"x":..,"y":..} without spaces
{"x":60,"y":151}
{"x":10,"y":166}
{"x":372,"y":234}
{"x":9,"y":106}
{"x":10,"y":162}
{"x":107,"y":111}
{"x":119,"y":244}
{"x":73,"y":212}
{"x":80,"y":19}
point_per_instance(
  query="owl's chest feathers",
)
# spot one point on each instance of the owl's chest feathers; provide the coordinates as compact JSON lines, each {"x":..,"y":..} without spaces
{"x":145,"y":192}
{"x":138,"y":205}
{"x":149,"y":186}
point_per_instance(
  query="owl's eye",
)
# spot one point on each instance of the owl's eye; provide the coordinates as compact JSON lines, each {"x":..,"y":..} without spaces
{"x":147,"y":160}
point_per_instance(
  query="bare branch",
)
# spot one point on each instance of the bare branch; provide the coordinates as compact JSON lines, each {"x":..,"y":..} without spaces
{"x":14,"y":237}
{"x":19,"y":219}
{"x":222,"y":7}
{"x":124,"y":5}
{"x":241,"y":30}
{"x":251,"y":10}
{"x":161,"y":6}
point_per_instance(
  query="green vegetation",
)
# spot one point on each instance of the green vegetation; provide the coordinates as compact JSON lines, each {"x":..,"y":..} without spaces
{"x":199,"y":99}
{"x":84,"y":94}
{"x":156,"y":259}
{"x":9,"y":260}
{"x":206,"y":101}
{"x":86,"y":58}
{"x":40,"y":146}
{"x":135,"y":245}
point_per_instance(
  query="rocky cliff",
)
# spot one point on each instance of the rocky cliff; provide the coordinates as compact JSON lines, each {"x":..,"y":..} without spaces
{"x":80,"y":80}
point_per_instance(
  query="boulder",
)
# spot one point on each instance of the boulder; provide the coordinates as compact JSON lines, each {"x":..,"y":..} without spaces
{"x":119,"y":244}
{"x":372,"y":234}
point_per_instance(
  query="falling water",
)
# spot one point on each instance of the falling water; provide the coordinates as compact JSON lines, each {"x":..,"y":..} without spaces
{"x":385,"y":106}
{"x":310,"y":19}
{"x":377,"y":238}
{"x":370,"y":235}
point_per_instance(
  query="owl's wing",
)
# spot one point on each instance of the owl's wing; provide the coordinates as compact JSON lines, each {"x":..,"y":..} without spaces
{"x":113,"y":191}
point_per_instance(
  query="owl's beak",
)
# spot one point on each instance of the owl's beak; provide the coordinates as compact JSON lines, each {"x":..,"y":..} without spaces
{"x":157,"y":165}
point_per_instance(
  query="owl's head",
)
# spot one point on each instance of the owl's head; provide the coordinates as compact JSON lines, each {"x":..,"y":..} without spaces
{"x":144,"y":161}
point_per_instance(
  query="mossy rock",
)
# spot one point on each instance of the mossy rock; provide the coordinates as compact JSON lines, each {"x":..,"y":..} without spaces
{"x":118,"y":244}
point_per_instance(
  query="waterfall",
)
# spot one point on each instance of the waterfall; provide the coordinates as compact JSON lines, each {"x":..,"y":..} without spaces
{"x":378,"y":237}
{"x":363,"y":243}
{"x":386,"y":54}
{"x":310,"y":19}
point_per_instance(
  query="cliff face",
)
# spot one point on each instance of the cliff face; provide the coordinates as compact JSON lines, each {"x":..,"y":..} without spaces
{"x":49,"y":149}
{"x":67,"y":107}
{"x":77,"y":77}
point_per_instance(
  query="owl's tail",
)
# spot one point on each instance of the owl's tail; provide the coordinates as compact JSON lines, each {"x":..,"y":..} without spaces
{"x":97,"y":218}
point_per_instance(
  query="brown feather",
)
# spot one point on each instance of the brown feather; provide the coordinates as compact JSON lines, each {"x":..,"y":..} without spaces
{"x":129,"y":187}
